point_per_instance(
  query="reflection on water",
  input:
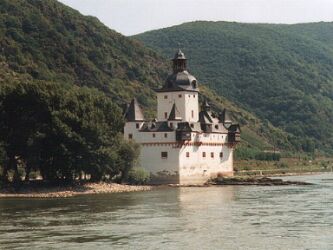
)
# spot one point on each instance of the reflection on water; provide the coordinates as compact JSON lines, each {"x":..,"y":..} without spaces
{"x":291,"y":217}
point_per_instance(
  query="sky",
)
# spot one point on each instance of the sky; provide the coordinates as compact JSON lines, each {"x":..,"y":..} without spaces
{"x":131,"y":17}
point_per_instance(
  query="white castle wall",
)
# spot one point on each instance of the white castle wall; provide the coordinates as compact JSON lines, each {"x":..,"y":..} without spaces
{"x":186,"y":103}
{"x":178,"y":167}
{"x":198,"y":163}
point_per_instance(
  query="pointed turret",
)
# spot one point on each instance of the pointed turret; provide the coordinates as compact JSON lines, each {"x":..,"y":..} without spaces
{"x":224,"y":118}
{"x":134,"y":112}
{"x":174,"y":114}
{"x":205,"y":106}
{"x":179,"y":62}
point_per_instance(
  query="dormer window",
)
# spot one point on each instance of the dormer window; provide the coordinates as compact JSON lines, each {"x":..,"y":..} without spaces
{"x":194,"y":84}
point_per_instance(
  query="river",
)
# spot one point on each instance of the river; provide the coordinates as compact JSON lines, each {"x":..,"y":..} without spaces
{"x":233,"y":217}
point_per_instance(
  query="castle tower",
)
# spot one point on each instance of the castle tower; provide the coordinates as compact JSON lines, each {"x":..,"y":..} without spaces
{"x":181,"y":89}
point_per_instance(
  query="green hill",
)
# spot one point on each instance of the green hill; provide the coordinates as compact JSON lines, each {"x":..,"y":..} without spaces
{"x":281,"y":73}
{"x":46,"y":42}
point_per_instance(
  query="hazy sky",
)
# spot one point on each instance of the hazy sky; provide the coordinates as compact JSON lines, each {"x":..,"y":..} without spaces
{"x":135,"y":16}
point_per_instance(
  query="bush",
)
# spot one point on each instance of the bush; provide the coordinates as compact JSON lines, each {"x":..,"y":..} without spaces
{"x":283,"y":165}
{"x":138,"y":176}
{"x":267,"y":156}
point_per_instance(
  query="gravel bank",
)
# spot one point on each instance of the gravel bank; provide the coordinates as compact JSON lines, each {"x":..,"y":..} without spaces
{"x":68,"y":191}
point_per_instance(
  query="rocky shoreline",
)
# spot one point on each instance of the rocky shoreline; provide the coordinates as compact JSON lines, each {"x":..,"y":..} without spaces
{"x":257,"y":181}
{"x":63,"y":191}
{"x":70,"y":190}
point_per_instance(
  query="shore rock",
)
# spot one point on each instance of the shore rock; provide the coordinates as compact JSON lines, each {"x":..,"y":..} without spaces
{"x":258,"y":181}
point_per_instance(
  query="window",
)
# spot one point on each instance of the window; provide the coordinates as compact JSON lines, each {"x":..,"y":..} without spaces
{"x":164,"y":155}
{"x":165,"y":97}
{"x":212,"y":154}
{"x":217,"y":126}
{"x":192,"y":114}
{"x":203,"y":154}
{"x":165,"y":135}
{"x":137,"y":125}
{"x":221,"y":154}
{"x":180,"y":95}
{"x":171,"y":125}
{"x":130,"y":136}
{"x":187,"y":154}
{"x":189,"y":95}
{"x":193,"y":96}
{"x":166,"y":115}
{"x":154,"y":135}
{"x":192,"y":125}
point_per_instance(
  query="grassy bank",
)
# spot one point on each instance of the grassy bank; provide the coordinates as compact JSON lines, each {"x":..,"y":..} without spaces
{"x":283,"y":167}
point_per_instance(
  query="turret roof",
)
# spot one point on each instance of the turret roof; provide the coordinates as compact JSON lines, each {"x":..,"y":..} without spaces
{"x":134,"y":112}
{"x":174,"y":114}
{"x":180,"y":79}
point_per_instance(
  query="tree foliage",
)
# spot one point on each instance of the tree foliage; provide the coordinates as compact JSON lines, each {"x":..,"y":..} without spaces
{"x":62,"y":131}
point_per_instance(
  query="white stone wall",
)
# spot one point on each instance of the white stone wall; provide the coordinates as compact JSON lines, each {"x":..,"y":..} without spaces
{"x":163,"y":170}
{"x":187,"y":104}
{"x":179,"y":167}
{"x":130,"y":128}
{"x":199,"y":162}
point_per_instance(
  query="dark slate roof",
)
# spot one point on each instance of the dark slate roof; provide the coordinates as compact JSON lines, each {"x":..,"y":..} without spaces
{"x":184,"y":126}
{"x":224,"y":117}
{"x":205,"y":117}
{"x":134,"y":112}
{"x":179,"y":55}
{"x":205,"y":106}
{"x":234,"y":128}
{"x":156,"y":127}
{"x":180,"y":79}
{"x":174,"y":114}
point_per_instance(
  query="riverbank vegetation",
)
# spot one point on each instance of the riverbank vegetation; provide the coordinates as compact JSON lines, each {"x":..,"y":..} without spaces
{"x":285,"y":166}
{"x":63,"y":132}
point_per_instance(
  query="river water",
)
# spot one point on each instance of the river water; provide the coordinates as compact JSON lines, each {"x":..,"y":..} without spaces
{"x":234,"y":217}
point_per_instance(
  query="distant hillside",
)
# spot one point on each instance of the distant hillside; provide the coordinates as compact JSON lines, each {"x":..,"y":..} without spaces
{"x":282,"y":73}
{"x":44,"y":40}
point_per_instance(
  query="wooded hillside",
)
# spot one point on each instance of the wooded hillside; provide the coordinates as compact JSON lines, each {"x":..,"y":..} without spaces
{"x":281,"y":73}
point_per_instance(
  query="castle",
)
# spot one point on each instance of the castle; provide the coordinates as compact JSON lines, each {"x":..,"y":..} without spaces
{"x":184,"y":145}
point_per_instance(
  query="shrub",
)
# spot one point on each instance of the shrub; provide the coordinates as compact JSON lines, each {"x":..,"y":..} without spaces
{"x":283,"y":165}
{"x":138,"y":176}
